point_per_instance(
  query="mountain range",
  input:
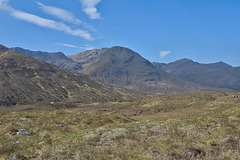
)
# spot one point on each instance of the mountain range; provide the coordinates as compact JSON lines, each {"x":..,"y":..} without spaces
{"x":126,"y":68}
{"x":216,"y":75}
{"x":56,"y":58}
{"x":25,"y":80}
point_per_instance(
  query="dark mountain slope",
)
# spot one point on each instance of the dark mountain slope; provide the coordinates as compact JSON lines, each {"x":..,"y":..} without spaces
{"x":124,"y":67}
{"x":24,"y":80}
{"x":58,"y":58}
{"x":216,"y":74}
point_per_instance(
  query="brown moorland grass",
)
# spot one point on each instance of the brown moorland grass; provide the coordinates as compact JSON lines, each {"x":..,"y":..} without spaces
{"x":198,"y":126}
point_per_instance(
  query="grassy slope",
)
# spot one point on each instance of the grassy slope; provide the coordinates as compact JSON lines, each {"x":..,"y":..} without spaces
{"x":192,"y":126}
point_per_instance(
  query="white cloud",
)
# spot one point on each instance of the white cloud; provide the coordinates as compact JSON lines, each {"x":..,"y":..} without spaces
{"x":85,"y":47}
{"x":43,"y":22}
{"x":164,"y":53}
{"x":60,"y":13}
{"x":64,"y":15}
{"x":89,"y":7}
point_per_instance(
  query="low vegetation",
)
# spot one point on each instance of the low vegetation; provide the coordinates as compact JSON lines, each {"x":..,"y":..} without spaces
{"x":191,"y":126}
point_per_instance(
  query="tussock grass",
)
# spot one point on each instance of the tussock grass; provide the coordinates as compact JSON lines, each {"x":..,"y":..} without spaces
{"x":72,"y":134}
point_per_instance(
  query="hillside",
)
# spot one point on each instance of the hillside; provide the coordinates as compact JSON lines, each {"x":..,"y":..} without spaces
{"x":57,"y":58}
{"x":25,"y":80}
{"x":126,"y":68}
{"x":215,"y":75}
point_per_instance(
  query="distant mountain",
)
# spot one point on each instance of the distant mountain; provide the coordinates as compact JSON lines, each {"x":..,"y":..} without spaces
{"x":219,"y":65}
{"x":25,"y":80}
{"x":171,"y":67}
{"x":215,"y":74}
{"x":57,"y":58}
{"x":124,"y":67}
{"x":237,"y":67}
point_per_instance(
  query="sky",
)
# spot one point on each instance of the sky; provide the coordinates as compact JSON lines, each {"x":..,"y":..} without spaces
{"x":205,"y":31}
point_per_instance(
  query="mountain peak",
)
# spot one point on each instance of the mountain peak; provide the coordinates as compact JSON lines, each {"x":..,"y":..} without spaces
{"x":121,"y":48}
{"x":125,"y":67}
{"x":122,"y":52}
{"x":220,"y":65}
{"x":184,"y":60}
{"x":218,"y":75}
{"x":59,"y":54}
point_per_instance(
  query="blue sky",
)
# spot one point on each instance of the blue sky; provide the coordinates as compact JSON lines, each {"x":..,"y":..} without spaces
{"x":160,"y":30}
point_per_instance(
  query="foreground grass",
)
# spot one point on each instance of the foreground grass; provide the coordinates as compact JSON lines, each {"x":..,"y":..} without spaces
{"x":72,"y":134}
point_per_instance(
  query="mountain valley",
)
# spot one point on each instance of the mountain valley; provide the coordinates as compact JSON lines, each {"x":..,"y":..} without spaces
{"x":48,"y":112}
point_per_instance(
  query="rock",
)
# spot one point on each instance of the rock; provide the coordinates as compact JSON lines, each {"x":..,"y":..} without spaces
{"x":40,"y":143}
{"x":20,"y":132}
{"x":17,"y":142}
{"x":62,"y":126}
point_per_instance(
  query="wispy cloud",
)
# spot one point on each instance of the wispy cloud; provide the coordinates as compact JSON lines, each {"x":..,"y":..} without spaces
{"x":4,"y":5}
{"x":85,"y":47}
{"x":164,"y":53}
{"x":67,"y":45}
{"x":89,"y":7}
{"x":43,"y":22}
{"x":64,"y":15}
{"x":60,"y":13}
